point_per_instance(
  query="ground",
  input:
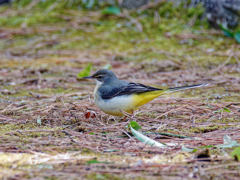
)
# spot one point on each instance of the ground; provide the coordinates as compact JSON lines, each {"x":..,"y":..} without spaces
{"x":51,"y":129}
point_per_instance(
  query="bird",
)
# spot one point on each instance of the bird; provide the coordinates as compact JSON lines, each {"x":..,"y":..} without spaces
{"x":114,"y":96}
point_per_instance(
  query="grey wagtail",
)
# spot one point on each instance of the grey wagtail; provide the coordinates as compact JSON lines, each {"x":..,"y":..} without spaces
{"x":113,"y":96}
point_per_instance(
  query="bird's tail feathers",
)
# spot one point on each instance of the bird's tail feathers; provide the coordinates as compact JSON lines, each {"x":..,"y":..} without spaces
{"x":185,"y":87}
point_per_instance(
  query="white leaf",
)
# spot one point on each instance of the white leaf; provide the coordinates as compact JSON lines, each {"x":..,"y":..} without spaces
{"x":227,"y":142}
{"x":146,"y":139}
{"x":185,"y":149}
{"x":227,"y":139}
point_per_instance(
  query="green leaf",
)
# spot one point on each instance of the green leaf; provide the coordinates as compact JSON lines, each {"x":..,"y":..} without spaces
{"x":237,"y":36}
{"x":86,"y":71}
{"x":227,"y":32}
{"x":94,"y":161}
{"x":110,"y":150}
{"x":111,"y":10}
{"x":107,"y":66}
{"x":146,"y":139}
{"x":92,"y":133}
{"x":134,"y":125}
{"x":209,"y":146}
{"x":39,"y":121}
{"x":236,"y":152}
{"x":185,"y":149}
{"x":221,"y":110}
{"x":227,"y":110}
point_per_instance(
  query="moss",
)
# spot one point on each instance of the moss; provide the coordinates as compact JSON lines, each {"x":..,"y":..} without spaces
{"x":206,"y":129}
{"x":4,"y":128}
{"x":96,"y":176}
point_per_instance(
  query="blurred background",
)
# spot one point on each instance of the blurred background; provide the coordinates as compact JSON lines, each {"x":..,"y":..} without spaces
{"x":170,"y":42}
{"x":117,"y":32}
{"x":45,"y":45}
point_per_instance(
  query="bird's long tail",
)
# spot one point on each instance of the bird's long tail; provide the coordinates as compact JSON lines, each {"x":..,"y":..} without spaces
{"x":184,"y":87}
{"x":143,"y":98}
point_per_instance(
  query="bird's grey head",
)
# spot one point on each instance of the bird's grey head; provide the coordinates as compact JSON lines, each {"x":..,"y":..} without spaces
{"x":102,"y":76}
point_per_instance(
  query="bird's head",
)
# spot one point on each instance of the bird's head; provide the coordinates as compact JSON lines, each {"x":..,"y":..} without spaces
{"x":102,"y":76}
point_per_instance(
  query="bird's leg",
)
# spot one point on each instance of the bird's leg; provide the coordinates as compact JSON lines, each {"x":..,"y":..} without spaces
{"x":128,"y":116}
{"x":124,"y":119}
{"x":131,"y":115}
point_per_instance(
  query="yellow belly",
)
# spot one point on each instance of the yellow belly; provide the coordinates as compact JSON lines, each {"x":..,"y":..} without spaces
{"x":143,"y":98}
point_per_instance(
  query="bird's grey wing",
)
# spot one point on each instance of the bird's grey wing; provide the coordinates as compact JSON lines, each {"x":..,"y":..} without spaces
{"x":131,"y":88}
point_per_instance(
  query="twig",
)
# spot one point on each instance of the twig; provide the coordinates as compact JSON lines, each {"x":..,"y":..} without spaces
{"x":192,"y":21}
{"x":52,"y":7}
{"x":64,"y":104}
{"x":31,"y":5}
{"x":128,"y":135}
{"x":221,"y":165}
{"x":134,"y":21}
{"x":236,"y":57}
{"x":223,"y":64}
{"x":157,"y":18}
{"x":69,"y":136}
{"x":170,"y":111}
{"x":6,"y":108}
{"x":149,"y":5}
{"x":191,"y":36}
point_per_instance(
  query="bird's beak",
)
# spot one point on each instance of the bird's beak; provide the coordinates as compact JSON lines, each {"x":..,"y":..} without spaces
{"x":88,"y":77}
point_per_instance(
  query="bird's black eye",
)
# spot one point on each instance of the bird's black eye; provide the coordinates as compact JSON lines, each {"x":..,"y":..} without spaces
{"x":99,"y":78}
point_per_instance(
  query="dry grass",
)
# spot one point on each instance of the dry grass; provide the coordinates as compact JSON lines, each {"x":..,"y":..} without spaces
{"x":51,"y":129}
